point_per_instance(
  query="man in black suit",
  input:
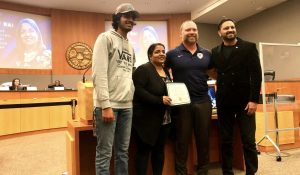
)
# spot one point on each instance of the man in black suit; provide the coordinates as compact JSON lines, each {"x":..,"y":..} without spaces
{"x":236,"y":66}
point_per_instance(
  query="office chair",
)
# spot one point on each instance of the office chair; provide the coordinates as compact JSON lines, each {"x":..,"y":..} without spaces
{"x":269,"y":75}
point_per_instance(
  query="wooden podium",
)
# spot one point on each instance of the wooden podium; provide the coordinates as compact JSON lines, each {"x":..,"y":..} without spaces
{"x":81,"y":146}
{"x":85,"y":102}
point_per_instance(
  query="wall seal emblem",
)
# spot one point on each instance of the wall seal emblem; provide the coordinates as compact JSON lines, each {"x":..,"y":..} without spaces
{"x":79,"y":55}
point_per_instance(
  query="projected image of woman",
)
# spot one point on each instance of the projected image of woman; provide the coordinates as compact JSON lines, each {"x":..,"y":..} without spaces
{"x":147,"y":37}
{"x":32,"y":51}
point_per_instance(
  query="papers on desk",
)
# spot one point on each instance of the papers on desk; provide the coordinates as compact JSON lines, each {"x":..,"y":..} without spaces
{"x":59,"y":88}
{"x":31,"y":88}
{"x":179,"y":94}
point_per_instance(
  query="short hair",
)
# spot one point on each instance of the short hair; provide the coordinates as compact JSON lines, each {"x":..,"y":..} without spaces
{"x":225,"y":20}
{"x":152,"y":48}
{"x":181,"y":27}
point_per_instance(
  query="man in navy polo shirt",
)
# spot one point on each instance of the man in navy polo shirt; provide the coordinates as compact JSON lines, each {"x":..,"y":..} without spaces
{"x":188,"y":63}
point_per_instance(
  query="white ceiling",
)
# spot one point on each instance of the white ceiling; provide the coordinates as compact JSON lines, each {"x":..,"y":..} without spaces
{"x":206,"y":11}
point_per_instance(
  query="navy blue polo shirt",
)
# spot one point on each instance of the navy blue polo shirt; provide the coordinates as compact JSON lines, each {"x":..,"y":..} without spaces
{"x":190,"y":69}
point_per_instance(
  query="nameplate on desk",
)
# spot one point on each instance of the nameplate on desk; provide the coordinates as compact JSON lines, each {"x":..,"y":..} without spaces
{"x":4,"y":88}
{"x":31,"y":88}
{"x":58,"y":88}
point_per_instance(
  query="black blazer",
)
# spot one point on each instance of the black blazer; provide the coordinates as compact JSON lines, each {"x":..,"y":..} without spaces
{"x":239,"y":76}
{"x":148,"y":107}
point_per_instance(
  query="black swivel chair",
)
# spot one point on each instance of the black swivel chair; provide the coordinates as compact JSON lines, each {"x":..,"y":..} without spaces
{"x":269,"y":75}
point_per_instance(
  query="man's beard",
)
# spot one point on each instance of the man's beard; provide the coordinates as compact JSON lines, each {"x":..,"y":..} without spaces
{"x":191,"y":39}
{"x":225,"y":38}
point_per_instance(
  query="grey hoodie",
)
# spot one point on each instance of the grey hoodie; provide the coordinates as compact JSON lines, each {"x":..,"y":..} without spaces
{"x":113,"y":60}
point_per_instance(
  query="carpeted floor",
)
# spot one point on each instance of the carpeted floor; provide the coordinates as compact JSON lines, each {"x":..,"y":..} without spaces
{"x":45,"y":154}
{"x":39,"y":154}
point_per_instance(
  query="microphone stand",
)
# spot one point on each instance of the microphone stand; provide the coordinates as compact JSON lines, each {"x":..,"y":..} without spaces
{"x":83,"y":76}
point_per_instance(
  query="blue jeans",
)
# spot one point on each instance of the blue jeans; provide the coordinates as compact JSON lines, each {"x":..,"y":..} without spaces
{"x":117,"y":134}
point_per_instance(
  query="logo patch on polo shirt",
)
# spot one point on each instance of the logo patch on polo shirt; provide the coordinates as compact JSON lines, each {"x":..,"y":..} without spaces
{"x":200,"y":55}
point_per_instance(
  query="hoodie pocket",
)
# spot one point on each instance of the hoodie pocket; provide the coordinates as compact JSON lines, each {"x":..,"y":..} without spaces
{"x":123,"y":89}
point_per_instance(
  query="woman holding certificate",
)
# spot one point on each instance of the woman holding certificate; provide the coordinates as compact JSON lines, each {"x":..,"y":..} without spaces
{"x":150,"y":111}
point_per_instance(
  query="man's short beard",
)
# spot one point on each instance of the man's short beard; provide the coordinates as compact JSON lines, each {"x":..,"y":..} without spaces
{"x":229,"y":39}
{"x":186,"y":40}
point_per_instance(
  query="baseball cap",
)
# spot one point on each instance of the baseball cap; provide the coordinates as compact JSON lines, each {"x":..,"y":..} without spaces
{"x":125,"y":8}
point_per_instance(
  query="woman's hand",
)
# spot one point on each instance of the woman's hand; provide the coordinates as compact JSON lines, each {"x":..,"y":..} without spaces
{"x":167,"y":100}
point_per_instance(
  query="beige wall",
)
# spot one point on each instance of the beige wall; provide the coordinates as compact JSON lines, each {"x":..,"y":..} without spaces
{"x":208,"y":37}
{"x":280,"y":24}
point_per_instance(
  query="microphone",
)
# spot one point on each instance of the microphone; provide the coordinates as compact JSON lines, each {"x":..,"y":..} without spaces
{"x":83,"y":76}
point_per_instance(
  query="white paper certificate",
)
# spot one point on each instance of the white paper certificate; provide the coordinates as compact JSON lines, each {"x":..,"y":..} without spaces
{"x":178,"y":93}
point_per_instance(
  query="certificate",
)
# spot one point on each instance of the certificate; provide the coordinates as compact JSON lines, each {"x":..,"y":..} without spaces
{"x":178,"y":93}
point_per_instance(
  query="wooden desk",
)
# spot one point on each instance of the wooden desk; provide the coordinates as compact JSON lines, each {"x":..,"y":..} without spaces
{"x":18,"y":119}
{"x":81,"y":145}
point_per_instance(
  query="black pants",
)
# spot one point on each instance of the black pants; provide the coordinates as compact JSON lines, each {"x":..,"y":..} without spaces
{"x":189,"y":118}
{"x":156,"y":151}
{"x":227,"y":118}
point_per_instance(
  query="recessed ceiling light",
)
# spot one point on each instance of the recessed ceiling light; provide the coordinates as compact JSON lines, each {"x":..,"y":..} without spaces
{"x":260,"y":8}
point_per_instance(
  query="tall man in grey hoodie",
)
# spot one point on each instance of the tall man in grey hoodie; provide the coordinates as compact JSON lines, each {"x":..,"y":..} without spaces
{"x":113,"y":61}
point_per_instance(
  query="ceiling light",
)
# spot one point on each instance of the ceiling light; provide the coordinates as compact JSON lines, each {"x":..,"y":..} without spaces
{"x":260,"y":8}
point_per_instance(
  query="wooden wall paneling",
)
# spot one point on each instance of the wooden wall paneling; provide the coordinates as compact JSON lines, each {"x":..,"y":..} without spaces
{"x":69,"y":27}
{"x":174,"y":33}
{"x":25,"y":8}
{"x":25,"y":71}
